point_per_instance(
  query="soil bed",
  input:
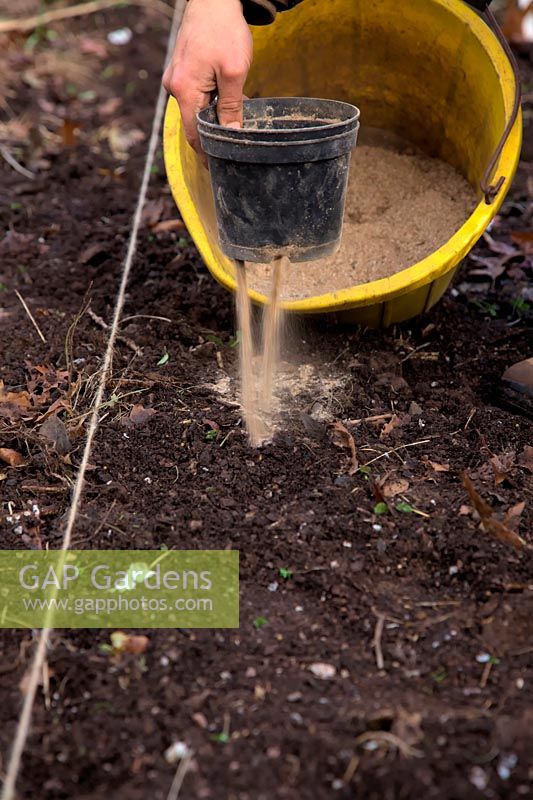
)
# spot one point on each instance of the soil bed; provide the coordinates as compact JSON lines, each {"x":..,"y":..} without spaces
{"x":454,"y":605}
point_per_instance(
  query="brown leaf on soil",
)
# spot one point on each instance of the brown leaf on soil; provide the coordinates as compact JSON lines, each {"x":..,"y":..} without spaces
{"x":394,"y":422}
{"x":68,"y":132}
{"x":488,"y":522}
{"x":524,"y":240}
{"x":168,"y":225}
{"x":44,"y":379}
{"x":55,"y":432}
{"x":513,"y":514}
{"x":153,"y":211}
{"x":435,"y":466}
{"x":502,"y":466}
{"x":14,"y":405}
{"x":341,"y":437}
{"x":11,"y":457}
{"x":525,"y":459}
{"x":126,"y":643}
{"x":394,"y":486}
{"x":139,"y":415}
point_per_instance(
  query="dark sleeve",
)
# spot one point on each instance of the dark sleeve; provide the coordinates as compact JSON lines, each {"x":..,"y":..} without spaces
{"x":261,"y":12}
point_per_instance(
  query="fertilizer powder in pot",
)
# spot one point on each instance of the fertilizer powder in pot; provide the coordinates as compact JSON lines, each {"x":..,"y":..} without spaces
{"x":401,"y":206}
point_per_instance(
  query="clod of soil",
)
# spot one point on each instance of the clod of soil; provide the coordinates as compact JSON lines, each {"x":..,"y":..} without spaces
{"x":401,"y":206}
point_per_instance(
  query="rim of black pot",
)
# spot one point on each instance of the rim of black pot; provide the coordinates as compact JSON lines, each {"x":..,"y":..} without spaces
{"x":329,"y":126}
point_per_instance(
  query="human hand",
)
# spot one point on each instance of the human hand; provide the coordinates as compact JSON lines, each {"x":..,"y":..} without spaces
{"x":213,"y":53}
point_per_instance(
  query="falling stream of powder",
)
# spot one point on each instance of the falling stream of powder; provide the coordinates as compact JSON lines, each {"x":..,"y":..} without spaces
{"x":258,"y":371}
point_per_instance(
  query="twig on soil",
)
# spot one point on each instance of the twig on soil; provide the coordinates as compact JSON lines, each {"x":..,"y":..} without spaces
{"x":486,"y":674}
{"x":395,"y":450}
{"x":26,"y":24}
{"x":351,"y":769}
{"x":30,"y":315}
{"x":376,"y":641}
{"x":181,"y":771}
{"x":47,"y":489}
{"x":144,"y":316}
{"x":389,"y":738}
{"x":124,"y":339}
{"x":416,"y":350}
{"x":6,"y":155}
{"x":470,"y":418}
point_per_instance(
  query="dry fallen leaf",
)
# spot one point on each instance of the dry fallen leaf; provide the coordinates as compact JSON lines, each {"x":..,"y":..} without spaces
{"x":513,"y":514}
{"x":394,"y":486}
{"x":138,"y":416}
{"x":68,"y":132}
{"x":14,"y":405}
{"x":11,"y":457}
{"x":153,"y":211}
{"x":524,"y":239}
{"x":341,"y":437}
{"x":502,"y":466}
{"x":525,"y":459}
{"x":488,"y":522}
{"x":55,"y":433}
{"x":168,"y":225}
{"x":436,"y":467}
{"x":125,"y":643}
{"x":394,"y":422}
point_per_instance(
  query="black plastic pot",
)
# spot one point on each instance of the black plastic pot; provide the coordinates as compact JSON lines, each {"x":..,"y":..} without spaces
{"x":279,"y":183}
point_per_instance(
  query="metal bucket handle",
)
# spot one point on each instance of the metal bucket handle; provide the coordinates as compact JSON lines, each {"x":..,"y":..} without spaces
{"x":489,"y":187}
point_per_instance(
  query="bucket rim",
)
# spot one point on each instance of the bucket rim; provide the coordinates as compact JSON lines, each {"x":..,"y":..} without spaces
{"x":385,"y":291}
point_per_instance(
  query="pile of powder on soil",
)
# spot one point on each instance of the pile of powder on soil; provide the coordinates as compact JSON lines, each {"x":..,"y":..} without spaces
{"x":401,"y":206}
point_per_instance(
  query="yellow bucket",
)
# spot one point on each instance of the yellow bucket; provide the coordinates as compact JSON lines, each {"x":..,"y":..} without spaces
{"x":431,"y":71}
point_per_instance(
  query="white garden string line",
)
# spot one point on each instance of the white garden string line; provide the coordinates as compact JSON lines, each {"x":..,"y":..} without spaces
{"x":23,"y":726}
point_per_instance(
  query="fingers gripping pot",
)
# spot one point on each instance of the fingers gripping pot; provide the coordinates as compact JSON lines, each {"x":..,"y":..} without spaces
{"x":279,"y":183}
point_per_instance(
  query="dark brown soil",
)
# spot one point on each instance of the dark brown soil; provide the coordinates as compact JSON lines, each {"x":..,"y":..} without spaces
{"x":435,"y":722}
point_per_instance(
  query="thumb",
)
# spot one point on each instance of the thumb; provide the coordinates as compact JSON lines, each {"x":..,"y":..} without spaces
{"x":230,"y":101}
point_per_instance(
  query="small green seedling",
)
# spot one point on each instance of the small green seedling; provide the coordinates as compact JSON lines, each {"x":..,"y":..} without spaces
{"x":285,"y":573}
{"x":223,"y":737}
{"x":405,"y":508}
{"x":520,"y":306}
{"x":259,"y":622}
{"x":381,"y":508}
{"x":440,"y":675}
{"x":235,"y":340}
{"x":365,"y":472}
{"x":487,"y":308}
{"x":211,"y":435}
{"x":163,"y":360}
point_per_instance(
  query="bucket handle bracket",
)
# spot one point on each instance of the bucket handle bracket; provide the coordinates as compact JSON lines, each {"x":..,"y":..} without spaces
{"x":489,"y":185}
